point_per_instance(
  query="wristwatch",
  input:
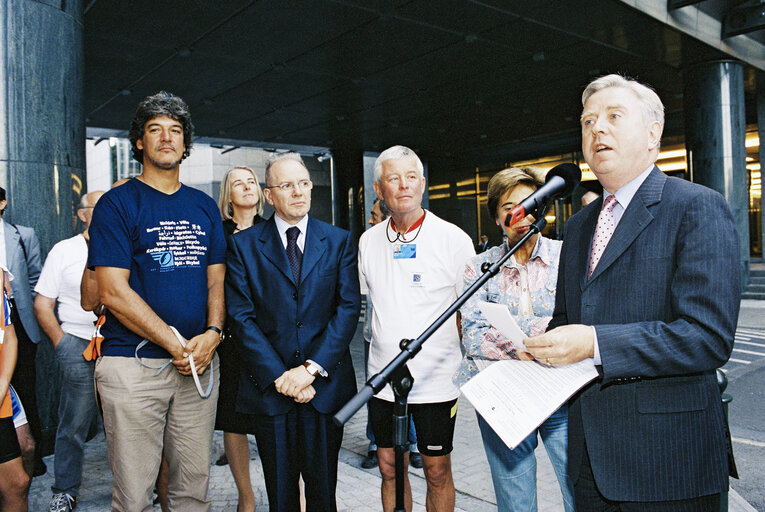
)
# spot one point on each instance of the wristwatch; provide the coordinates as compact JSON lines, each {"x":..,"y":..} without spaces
{"x":311,"y":368}
{"x":215,"y":329}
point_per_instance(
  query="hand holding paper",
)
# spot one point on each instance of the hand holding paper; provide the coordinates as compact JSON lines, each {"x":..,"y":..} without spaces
{"x":563,"y":345}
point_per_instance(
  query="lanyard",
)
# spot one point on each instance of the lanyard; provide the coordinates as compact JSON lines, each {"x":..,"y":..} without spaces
{"x":203,"y":394}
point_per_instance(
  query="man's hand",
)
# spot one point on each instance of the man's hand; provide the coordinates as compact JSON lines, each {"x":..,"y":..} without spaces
{"x":203,"y":348}
{"x":181,"y":358}
{"x":293,"y":381}
{"x":44,"y":310}
{"x":306,"y":395}
{"x":563,"y":345}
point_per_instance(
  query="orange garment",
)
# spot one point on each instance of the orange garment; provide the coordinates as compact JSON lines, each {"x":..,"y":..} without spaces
{"x":93,"y":350}
{"x":6,"y":409}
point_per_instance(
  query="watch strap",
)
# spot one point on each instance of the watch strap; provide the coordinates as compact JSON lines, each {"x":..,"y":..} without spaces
{"x":216,"y":330}
{"x":311,"y":368}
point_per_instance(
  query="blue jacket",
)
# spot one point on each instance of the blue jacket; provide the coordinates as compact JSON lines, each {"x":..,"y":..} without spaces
{"x":280,"y":324}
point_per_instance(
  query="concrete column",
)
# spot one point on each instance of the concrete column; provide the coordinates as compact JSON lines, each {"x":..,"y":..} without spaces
{"x":761,"y":134}
{"x":42,"y":137}
{"x":715,"y":130}
{"x":42,"y":127}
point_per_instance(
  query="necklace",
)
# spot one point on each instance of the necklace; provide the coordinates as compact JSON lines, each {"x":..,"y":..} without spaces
{"x":401,"y":237}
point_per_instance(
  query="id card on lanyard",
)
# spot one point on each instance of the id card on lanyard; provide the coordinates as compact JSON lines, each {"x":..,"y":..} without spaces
{"x":404,"y":251}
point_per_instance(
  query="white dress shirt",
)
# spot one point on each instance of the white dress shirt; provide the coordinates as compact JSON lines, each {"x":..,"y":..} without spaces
{"x":282,"y":226}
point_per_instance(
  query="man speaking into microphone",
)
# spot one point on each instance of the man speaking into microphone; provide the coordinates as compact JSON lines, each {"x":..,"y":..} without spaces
{"x":649,"y":288}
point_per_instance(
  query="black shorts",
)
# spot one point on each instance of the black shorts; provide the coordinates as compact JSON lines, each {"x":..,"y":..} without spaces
{"x":434,"y":424}
{"x":9,"y":443}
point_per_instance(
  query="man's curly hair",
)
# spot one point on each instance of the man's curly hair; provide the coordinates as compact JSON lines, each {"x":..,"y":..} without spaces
{"x":157,"y":105}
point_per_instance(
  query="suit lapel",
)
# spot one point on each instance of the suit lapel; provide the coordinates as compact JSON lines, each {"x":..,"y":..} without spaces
{"x":11,"y":243}
{"x":635,"y":219}
{"x":315,"y":247}
{"x":273,"y":249}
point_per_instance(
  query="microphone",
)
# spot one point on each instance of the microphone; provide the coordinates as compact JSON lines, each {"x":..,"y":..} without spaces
{"x":560,"y":182}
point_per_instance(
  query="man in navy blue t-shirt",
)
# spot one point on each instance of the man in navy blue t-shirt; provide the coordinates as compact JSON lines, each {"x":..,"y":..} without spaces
{"x":158,"y":251}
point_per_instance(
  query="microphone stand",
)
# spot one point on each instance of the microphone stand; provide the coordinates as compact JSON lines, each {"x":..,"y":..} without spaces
{"x":397,"y":373}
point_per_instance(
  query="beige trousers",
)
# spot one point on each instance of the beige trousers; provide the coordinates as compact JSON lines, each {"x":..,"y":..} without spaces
{"x":146,"y":415}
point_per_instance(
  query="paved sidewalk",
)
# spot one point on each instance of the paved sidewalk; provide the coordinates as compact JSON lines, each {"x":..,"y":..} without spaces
{"x":358,"y":489}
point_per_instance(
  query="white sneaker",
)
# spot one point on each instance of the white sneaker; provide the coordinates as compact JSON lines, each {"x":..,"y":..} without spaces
{"x":62,"y":502}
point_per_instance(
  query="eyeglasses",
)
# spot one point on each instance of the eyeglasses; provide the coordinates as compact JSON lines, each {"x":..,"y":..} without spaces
{"x":290,"y":187}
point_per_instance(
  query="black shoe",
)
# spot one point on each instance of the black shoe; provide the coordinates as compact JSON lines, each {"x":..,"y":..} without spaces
{"x":415,"y":460}
{"x":371,"y":460}
{"x":222,"y":460}
{"x":40,"y":468}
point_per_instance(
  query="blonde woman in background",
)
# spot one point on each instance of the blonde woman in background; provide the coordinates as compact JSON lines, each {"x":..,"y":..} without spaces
{"x":241,"y":206}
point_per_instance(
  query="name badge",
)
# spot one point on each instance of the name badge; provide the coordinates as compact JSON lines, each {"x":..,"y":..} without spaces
{"x":404,"y":251}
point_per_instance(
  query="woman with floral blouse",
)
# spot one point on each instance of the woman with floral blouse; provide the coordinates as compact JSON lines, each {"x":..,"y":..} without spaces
{"x":526,"y":285}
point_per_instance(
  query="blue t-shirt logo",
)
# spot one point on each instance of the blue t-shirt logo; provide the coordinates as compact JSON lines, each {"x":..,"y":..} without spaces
{"x":165,"y":259}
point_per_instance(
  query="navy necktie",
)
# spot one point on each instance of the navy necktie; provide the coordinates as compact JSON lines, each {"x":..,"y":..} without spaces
{"x":293,"y":253}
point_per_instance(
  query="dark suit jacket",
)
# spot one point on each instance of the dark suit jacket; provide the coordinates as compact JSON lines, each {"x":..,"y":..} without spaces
{"x":25,"y":265}
{"x":664,"y":301}
{"x":280,"y":324}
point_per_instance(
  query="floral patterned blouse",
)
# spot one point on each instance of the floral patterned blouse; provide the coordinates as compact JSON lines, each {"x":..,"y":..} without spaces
{"x":527,"y":290}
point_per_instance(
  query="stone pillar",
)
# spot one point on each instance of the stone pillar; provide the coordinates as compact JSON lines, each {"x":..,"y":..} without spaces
{"x":715,"y":132}
{"x":42,"y":138}
{"x":761,"y":134}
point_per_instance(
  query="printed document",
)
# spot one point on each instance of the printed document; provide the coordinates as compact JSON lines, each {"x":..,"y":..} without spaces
{"x":515,"y":397}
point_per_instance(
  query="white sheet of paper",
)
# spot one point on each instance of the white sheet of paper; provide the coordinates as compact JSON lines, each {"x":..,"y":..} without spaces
{"x":500,"y":318}
{"x":515,"y":397}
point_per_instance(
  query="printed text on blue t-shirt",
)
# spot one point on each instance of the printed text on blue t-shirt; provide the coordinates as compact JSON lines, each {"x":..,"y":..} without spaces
{"x":177,"y":245}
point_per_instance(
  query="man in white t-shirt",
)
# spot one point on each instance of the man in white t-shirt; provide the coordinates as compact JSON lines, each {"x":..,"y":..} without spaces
{"x":59,"y":283}
{"x":411,"y":267}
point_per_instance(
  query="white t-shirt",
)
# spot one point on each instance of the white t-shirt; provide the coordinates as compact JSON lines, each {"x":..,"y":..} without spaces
{"x":410,"y":287}
{"x":60,"y":279}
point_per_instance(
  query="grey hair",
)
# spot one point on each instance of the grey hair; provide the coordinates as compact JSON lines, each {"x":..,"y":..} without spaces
{"x":653,"y":109}
{"x":396,"y":153}
{"x":275,"y":157}
{"x":85,"y":203}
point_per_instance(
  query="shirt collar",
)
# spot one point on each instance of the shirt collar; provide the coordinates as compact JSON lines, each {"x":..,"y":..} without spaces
{"x":282,"y":226}
{"x":625,"y":194}
{"x":542,"y":250}
{"x":414,"y":226}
